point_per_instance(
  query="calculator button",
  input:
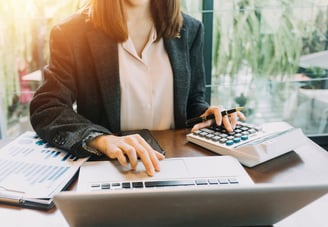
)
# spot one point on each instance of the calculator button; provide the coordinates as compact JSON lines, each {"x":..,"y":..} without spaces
{"x":229,"y":142}
{"x":203,"y":134}
{"x":244,"y":137}
{"x":216,"y":138}
{"x":223,"y":140}
{"x":197,"y":132}
{"x":209,"y":136}
{"x":209,"y":131}
{"x":236,"y":140}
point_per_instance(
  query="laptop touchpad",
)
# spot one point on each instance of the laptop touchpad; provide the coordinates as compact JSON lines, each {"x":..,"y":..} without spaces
{"x":113,"y":171}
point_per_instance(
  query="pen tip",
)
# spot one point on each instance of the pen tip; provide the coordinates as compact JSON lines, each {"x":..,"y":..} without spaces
{"x":239,"y":108}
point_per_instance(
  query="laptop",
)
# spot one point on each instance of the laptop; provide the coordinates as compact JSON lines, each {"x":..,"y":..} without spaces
{"x":189,"y":191}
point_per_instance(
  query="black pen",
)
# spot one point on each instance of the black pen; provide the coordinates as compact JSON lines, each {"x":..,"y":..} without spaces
{"x":196,"y":120}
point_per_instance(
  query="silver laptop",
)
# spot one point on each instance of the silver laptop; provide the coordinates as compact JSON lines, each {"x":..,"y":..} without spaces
{"x":195,"y":191}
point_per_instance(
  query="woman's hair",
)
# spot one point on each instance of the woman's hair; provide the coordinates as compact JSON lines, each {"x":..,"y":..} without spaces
{"x":108,"y":15}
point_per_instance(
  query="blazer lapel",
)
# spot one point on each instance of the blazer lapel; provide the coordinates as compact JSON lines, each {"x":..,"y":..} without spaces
{"x":176,"y":49}
{"x":105,"y":55}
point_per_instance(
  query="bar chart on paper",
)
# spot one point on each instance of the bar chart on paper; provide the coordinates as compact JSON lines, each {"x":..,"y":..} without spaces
{"x":29,"y":167}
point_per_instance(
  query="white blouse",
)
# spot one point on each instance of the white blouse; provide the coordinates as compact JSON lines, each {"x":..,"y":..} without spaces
{"x":146,"y":86}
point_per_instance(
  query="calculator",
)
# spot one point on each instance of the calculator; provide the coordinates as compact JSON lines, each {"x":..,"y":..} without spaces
{"x":250,"y":144}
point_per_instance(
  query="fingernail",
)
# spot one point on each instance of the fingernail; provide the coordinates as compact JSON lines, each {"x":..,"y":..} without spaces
{"x":150,"y":172}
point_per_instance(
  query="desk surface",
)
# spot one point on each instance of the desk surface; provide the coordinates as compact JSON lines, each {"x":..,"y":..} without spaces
{"x":306,"y":163}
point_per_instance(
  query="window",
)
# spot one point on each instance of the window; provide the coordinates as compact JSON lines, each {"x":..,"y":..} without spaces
{"x":269,"y":56}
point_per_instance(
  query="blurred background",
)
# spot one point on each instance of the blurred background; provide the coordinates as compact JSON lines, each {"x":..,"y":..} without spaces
{"x":269,"y":56}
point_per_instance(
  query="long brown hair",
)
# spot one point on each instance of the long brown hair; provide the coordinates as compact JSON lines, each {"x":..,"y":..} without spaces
{"x":108,"y":15}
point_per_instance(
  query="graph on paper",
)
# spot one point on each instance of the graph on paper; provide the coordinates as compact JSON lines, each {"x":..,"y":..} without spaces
{"x":29,"y":167}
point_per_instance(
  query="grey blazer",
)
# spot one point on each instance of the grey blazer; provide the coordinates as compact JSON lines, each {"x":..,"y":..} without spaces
{"x":83,"y":70}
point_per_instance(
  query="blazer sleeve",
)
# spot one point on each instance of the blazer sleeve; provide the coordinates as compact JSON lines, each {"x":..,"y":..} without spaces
{"x":51,"y":110}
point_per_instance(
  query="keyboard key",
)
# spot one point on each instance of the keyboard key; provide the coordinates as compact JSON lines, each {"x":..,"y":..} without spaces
{"x":105,"y":186}
{"x":201,"y":182}
{"x":126,"y":185}
{"x":116,"y":185}
{"x":212,"y":181}
{"x":166,"y":183}
{"x":233,"y":180}
{"x":223,"y":181}
{"x":95,"y":186}
{"x":138,"y":184}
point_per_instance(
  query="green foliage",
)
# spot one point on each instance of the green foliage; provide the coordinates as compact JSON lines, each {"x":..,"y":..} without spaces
{"x":317,"y":36}
{"x":264,"y":38}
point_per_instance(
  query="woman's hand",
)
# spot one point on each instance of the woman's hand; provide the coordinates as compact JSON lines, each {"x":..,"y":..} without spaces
{"x":229,"y":121}
{"x":132,"y":147}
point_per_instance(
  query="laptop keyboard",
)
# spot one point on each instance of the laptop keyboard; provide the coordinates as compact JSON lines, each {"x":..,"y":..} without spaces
{"x":163,"y":183}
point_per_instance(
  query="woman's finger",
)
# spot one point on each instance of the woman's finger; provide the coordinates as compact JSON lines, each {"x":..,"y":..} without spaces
{"x":201,"y":125}
{"x":116,"y":153}
{"x":130,"y":151}
{"x":154,"y":157}
{"x":226,"y":123}
{"x":233,"y":120}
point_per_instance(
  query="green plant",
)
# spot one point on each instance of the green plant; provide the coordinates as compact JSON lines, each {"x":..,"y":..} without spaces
{"x":256,"y":40}
{"x":316,"y":38}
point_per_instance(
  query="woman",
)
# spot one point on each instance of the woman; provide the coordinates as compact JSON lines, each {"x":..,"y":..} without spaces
{"x":127,"y":65}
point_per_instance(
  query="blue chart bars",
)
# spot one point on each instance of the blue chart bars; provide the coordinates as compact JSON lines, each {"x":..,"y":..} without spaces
{"x":30,"y":167}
